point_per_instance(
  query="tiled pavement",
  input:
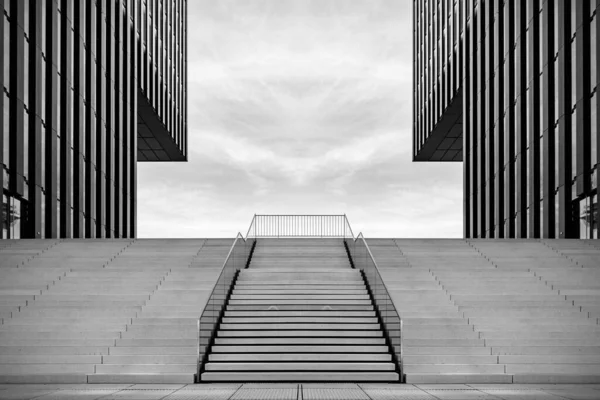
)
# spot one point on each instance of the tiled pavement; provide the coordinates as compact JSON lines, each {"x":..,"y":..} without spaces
{"x":300,"y":392}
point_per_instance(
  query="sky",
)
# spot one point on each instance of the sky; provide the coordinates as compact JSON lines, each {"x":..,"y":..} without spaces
{"x":300,"y":107}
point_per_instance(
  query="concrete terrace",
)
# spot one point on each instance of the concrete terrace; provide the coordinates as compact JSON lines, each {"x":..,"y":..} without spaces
{"x":125,"y":311}
{"x":315,"y":391}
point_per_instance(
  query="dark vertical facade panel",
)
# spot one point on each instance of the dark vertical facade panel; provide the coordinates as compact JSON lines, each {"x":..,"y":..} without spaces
{"x":2,"y":84}
{"x":16,"y":90}
{"x":52,"y":38}
{"x":582,"y":91}
{"x":481,"y":123}
{"x":498,"y":103}
{"x":78,"y":121}
{"x":36,"y":102}
{"x":597,"y":44}
{"x":132,"y":231}
{"x":101,"y":123}
{"x":66,"y":106}
{"x":521,"y":119}
{"x":563,"y":71}
{"x":509,"y":121}
{"x":533,"y":125}
{"x":548,"y":150}
{"x":110,"y":119}
{"x":471,"y":133}
{"x":465,"y":64}
{"x":127,"y":112}
{"x":119,"y":122}
{"x":488,"y":99}
{"x":90,"y":120}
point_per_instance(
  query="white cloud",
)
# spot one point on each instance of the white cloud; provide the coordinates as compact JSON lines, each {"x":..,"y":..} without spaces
{"x":300,"y":106}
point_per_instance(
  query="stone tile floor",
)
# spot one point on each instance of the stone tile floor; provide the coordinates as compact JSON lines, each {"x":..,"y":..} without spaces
{"x":305,"y":391}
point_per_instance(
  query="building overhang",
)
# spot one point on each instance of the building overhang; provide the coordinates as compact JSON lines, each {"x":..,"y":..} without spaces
{"x":155,"y":142}
{"x":445,"y":141}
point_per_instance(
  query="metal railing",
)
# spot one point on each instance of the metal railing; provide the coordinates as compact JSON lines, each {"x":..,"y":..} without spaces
{"x":363,"y":259}
{"x":212,"y":314}
{"x":300,"y":226}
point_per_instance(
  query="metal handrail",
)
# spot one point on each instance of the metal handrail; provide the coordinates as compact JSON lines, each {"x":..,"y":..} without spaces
{"x":300,"y":226}
{"x":361,"y":237}
{"x":209,"y":303}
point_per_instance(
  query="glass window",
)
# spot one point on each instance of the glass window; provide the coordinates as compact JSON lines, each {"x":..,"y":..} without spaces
{"x":593,"y":55}
{"x":6,"y":51}
{"x":574,"y":72}
{"x":574,"y":143}
{"x":594,"y":129}
{"x":6,"y":132}
{"x":5,"y":213}
{"x":594,"y":215}
{"x":26,"y":73}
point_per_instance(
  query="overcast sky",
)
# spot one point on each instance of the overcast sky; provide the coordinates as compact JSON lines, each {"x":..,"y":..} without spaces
{"x":300,"y":107}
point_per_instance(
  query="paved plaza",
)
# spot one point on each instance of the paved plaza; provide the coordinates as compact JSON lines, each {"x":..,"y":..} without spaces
{"x":304,"y":391}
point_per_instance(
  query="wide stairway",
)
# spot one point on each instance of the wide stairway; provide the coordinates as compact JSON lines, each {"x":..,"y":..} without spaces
{"x":300,"y":313}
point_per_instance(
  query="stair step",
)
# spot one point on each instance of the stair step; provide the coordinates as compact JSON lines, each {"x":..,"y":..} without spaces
{"x":297,"y":341}
{"x":273,"y":313}
{"x":299,"y":366}
{"x":322,"y":357}
{"x":300,"y":349}
{"x":308,"y":320}
{"x":301,"y":301}
{"x":292,"y":326}
{"x":331,"y":376}
{"x":299,"y":307}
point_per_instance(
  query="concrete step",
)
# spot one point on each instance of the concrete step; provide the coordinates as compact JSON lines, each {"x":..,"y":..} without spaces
{"x":329,"y":306}
{"x":308,"y":320}
{"x":171,"y":350}
{"x":53,"y":350}
{"x":299,"y":366}
{"x":332,"y":376}
{"x":141,"y":378}
{"x":293,"y":326}
{"x":320,"y":357}
{"x":546,"y":350}
{"x":146,"y":368}
{"x":451,"y":359}
{"x":54,"y":359}
{"x":190,"y":358}
{"x":307,"y":314}
{"x":298,"y":349}
{"x":454,"y":368}
{"x":301,"y":340}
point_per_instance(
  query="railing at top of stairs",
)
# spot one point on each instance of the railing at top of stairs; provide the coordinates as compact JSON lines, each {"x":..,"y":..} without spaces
{"x":237,"y":259}
{"x":300,"y":226}
{"x":361,"y":257}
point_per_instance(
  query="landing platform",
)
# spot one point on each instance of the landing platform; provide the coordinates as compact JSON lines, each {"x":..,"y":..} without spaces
{"x":300,"y":392}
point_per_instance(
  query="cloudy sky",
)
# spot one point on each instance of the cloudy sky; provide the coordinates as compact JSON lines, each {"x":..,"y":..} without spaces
{"x":300,"y":107}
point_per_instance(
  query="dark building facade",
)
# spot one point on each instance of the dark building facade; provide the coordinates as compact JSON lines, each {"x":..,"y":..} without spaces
{"x":517,"y":81}
{"x":91,"y":87}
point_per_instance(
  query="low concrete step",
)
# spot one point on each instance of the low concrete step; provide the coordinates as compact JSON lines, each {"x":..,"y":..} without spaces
{"x":321,"y":357}
{"x":292,"y":326}
{"x":307,"y":320}
{"x":299,"y":366}
{"x":332,"y":376}
{"x":321,"y":313}
{"x":302,"y":340}
{"x":299,"y":349}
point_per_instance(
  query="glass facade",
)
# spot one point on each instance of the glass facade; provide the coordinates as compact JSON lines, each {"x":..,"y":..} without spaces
{"x":530,"y":115}
{"x":73,"y":84}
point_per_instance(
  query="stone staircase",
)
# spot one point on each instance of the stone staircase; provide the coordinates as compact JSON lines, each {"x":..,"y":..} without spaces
{"x":495,"y":311}
{"x":104,"y":311}
{"x":300,"y":313}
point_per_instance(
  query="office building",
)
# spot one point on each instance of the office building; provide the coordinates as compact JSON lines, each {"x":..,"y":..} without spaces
{"x":510,"y":88}
{"x":90,"y":89}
